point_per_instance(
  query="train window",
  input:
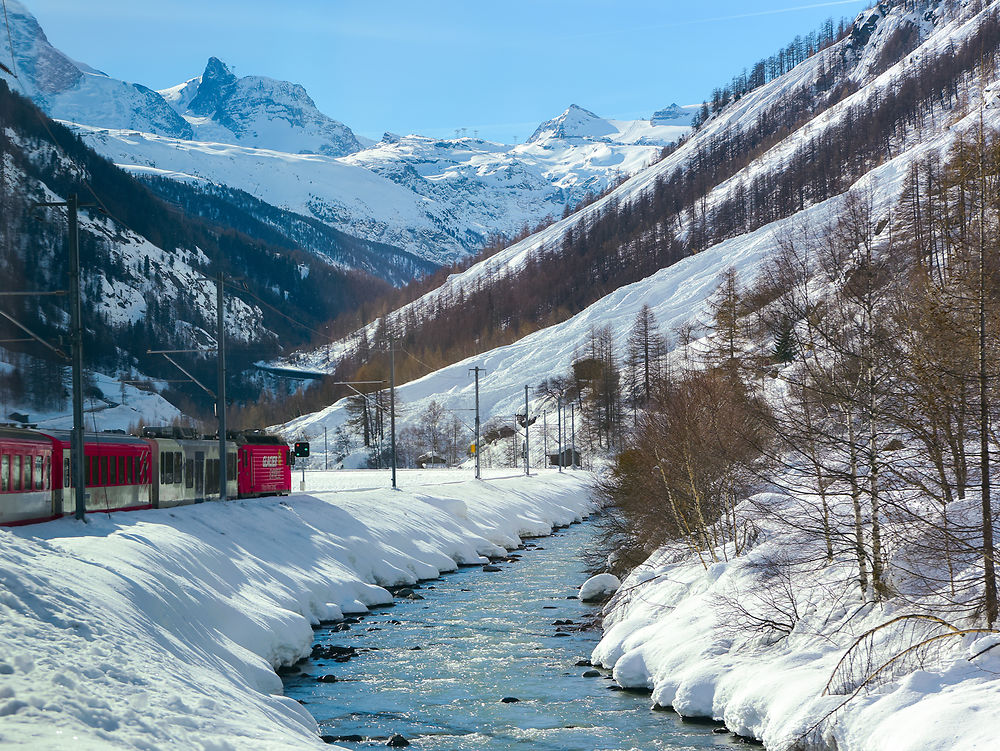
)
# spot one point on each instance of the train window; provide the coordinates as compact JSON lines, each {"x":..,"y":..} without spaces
{"x":211,"y":479}
{"x":91,"y":476}
{"x":231,"y":467}
{"x":15,"y":475}
{"x":178,"y":468}
{"x":104,"y":471}
{"x":39,"y":477}
{"x":27,"y":473}
{"x":5,"y":472}
{"x":111,"y":470}
{"x":66,"y":472}
{"x":189,"y":473}
{"x":122,"y":478}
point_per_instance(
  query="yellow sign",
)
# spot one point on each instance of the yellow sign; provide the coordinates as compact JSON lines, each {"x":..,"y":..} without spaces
{"x":472,"y":448}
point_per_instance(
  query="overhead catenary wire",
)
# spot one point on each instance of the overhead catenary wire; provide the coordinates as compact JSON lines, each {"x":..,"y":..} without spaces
{"x":12,"y":70}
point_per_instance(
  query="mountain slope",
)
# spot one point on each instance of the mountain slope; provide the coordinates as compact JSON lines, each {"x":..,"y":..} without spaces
{"x":66,"y":89}
{"x":439,"y":199}
{"x":872,"y":80}
{"x":145,"y":263}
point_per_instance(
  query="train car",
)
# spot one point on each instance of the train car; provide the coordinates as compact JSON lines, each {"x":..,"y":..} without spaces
{"x":25,"y":477}
{"x":116,"y":472}
{"x":186,"y":468}
{"x":264,"y":466}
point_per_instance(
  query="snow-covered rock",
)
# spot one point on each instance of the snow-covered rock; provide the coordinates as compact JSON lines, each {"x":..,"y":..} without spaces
{"x":599,"y":587}
{"x":675,"y":636}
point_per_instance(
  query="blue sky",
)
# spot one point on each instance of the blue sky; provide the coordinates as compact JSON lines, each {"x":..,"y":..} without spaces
{"x":436,"y":65}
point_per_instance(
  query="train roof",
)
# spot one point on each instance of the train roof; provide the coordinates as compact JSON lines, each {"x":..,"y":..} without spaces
{"x":22,"y":434}
{"x":256,"y":437}
{"x":64,"y":436}
{"x":176,"y":432}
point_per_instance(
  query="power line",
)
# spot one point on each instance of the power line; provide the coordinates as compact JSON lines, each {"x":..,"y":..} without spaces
{"x":12,"y":70}
{"x":247,"y":291}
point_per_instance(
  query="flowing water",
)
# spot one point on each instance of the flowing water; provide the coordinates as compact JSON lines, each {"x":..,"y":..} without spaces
{"x":436,"y":670}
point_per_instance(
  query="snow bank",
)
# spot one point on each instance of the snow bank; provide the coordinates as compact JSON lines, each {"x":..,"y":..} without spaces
{"x":673,"y":629}
{"x":162,"y":628}
{"x":599,"y":587}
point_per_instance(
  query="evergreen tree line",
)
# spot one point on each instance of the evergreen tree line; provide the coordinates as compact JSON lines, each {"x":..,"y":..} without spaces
{"x":767,"y":69}
{"x":847,"y":400}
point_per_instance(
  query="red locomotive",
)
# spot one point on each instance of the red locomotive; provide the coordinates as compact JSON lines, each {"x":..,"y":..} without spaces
{"x":166,"y":467}
{"x":264,"y":466}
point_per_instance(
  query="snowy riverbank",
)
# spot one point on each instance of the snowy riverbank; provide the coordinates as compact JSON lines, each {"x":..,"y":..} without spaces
{"x":161,"y":629}
{"x":696,"y":638}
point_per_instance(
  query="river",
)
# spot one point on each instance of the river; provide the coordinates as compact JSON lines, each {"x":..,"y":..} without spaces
{"x":436,"y":670}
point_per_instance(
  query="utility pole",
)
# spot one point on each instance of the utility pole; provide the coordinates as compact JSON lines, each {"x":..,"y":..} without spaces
{"x":572,"y":425}
{"x":221,"y":401}
{"x":477,"y":370}
{"x":73,"y":206}
{"x":326,"y":450}
{"x":559,"y":432}
{"x":545,"y":437}
{"x":392,"y":406}
{"x":76,"y":336}
{"x":527,"y":455}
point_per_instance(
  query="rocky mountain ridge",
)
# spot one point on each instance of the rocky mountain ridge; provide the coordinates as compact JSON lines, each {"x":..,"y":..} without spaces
{"x":437,"y":199}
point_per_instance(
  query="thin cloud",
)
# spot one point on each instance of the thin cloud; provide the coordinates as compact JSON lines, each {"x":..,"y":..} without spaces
{"x":772,"y":12}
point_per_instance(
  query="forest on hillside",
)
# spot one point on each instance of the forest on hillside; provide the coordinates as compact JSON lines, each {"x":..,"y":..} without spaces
{"x":294,"y":292}
{"x":849,"y":396}
{"x":628,"y":240}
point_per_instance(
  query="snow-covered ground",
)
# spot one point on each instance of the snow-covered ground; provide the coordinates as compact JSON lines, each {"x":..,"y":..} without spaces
{"x":672,"y":629}
{"x":162,"y":629}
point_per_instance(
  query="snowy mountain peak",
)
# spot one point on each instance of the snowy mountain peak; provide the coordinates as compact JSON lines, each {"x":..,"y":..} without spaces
{"x":673,"y":114}
{"x":69,"y":90}
{"x":214,"y":86}
{"x":258,"y":111}
{"x":575,"y":122}
{"x":38,"y":62}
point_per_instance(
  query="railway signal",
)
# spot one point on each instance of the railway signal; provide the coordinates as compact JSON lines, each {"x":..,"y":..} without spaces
{"x":302,"y":449}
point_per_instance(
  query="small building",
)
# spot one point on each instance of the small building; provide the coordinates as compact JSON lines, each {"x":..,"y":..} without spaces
{"x":431,"y":459}
{"x":570,"y":457}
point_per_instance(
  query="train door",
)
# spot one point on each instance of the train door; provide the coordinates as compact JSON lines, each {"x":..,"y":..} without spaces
{"x":243,"y":473}
{"x":199,"y":475}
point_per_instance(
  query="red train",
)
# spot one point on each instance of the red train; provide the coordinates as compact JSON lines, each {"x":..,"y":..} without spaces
{"x":166,"y":467}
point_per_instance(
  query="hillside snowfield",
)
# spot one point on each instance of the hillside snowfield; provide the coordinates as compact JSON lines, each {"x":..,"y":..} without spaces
{"x":162,"y":629}
{"x":677,"y":294}
{"x":437,"y":198}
